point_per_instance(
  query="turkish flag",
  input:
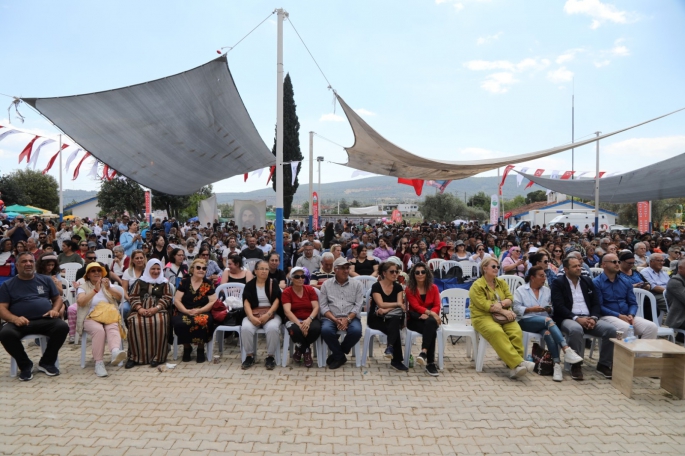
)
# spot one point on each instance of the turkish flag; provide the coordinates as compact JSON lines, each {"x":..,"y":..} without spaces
{"x":78,"y":167}
{"x":537,"y":173}
{"x":506,"y":171}
{"x":27,"y":150}
{"x":416,"y":183}
{"x":245,"y":177}
{"x":567,"y":175}
{"x":54,"y":157}
{"x":507,"y":215}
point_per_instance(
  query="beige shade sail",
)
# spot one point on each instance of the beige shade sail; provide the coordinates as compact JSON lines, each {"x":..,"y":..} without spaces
{"x":373,"y":153}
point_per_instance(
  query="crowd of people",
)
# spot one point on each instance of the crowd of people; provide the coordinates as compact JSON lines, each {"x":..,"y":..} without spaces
{"x":161,"y":283}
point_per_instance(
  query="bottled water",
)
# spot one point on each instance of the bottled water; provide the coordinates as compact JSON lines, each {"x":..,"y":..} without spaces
{"x":411,"y":360}
{"x":630,"y":335}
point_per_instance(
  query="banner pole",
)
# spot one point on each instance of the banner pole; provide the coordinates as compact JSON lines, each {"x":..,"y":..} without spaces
{"x":279,"y":134}
{"x":597,"y":188}
{"x":311,"y":179}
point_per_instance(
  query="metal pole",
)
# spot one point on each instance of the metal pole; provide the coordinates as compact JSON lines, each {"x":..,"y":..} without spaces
{"x":61,"y":193}
{"x":311,"y":179}
{"x":279,"y":134}
{"x":597,"y":189}
{"x":573,"y":130}
{"x":318,"y":191}
{"x":499,"y":197}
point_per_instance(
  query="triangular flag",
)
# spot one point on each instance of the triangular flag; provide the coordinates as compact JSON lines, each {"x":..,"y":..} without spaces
{"x":27,"y":150}
{"x":258,"y":172}
{"x":567,"y":175}
{"x":519,"y":177}
{"x":582,"y":174}
{"x":78,"y":167}
{"x":271,"y":174}
{"x":601,"y":173}
{"x":506,"y":171}
{"x":54,"y":157}
{"x":71,"y":158}
{"x":416,"y":183}
{"x":357,"y":172}
{"x":5,"y":133}
{"x":245,"y":177}
{"x":538,"y":173}
{"x":94,"y":169}
{"x":555,"y":174}
{"x":34,"y":159}
{"x":293,"y":170}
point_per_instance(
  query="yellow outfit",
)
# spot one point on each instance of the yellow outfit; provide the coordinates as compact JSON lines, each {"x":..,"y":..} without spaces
{"x":507,"y":339}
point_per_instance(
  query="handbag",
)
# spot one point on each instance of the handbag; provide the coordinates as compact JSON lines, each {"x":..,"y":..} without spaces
{"x":544,"y":364}
{"x":219,"y":311}
{"x":105,"y":313}
{"x":499,"y":318}
{"x":259,"y":312}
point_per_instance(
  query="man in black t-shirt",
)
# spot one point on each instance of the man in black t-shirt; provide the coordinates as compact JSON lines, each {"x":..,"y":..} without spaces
{"x":31,"y":304}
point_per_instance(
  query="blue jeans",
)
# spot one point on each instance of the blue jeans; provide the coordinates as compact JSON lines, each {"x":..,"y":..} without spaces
{"x":549,"y":330}
{"x":329,"y":334}
{"x":126,"y":308}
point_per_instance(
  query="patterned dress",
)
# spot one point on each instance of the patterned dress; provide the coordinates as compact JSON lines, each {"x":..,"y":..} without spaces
{"x":193,"y":329}
{"x":148,"y":336}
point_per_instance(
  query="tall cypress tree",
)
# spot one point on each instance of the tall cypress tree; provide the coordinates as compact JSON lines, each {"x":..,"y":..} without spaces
{"x":291,"y":146}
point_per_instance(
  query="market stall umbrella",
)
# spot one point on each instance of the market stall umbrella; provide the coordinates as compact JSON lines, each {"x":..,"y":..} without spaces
{"x":23,"y":210}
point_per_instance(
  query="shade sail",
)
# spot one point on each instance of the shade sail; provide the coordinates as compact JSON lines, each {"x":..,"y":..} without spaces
{"x":658,"y":181}
{"x":373,"y":153}
{"x":174,"y":134}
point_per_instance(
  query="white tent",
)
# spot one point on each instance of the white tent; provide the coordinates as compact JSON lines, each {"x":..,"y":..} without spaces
{"x":369,"y":210}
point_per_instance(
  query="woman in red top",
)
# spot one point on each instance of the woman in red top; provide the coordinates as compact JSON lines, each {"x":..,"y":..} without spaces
{"x":423,"y":297}
{"x":301,"y":308}
{"x":441,"y":252}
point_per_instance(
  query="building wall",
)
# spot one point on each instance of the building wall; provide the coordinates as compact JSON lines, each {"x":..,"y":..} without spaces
{"x":89,"y":209}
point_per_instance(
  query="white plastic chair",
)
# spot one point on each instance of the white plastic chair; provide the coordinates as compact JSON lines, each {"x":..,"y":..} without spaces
{"x":43,"y":340}
{"x":323,"y":353}
{"x":445,"y":266}
{"x":367,"y":281}
{"x":104,"y":256}
{"x":643,"y":295}
{"x":369,"y":334}
{"x":83,"y":350}
{"x":250,"y":263}
{"x":470,"y":269}
{"x":288,"y":348}
{"x":435,"y":264}
{"x":235,"y":290}
{"x":70,"y":270}
{"x":457,"y":325}
{"x":596,"y":271}
{"x":513,"y":282}
{"x":480,"y":356}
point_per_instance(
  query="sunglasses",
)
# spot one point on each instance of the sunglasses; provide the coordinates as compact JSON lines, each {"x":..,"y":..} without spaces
{"x":494,"y":266}
{"x":557,"y":251}
{"x":200,"y":268}
{"x":91,"y":258}
{"x":83,"y":245}
{"x":546,"y":261}
{"x":394,"y":271}
{"x":297,"y":277}
{"x":420,"y":272}
{"x":481,"y":250}
{"x":612,"y":261}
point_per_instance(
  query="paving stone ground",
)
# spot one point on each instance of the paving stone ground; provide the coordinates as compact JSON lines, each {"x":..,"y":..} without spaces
{"x":218,"y":409}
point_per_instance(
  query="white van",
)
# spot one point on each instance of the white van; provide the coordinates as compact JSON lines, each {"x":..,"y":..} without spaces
{"x":579,"y":220}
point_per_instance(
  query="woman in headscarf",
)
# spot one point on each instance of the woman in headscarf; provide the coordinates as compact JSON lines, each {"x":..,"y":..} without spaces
{"x":148,"y":322}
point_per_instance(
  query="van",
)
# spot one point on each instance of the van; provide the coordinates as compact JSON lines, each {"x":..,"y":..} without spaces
{"x":579,"y":220}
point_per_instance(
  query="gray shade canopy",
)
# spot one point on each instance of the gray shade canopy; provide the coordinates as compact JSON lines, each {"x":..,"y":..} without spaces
{"x":658,"y":181}
{"x":174,"y":134}
{"x":373,"y":153}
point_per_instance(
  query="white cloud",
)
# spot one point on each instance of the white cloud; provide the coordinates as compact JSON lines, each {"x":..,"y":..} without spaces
{"x":568,"y":56}
{"x":658,"y":148}
{"x":620,"y":51}
{"x":602,"y":63}
{"x":489,"y":38}
{"x":599,"y":12}
{"x":459,"y":4}
{"x":330,"y":117}
{"x":498,"y":82}
{"x":523,"y":65}
{"x":560,"y":75}
{"x":364,"y":112}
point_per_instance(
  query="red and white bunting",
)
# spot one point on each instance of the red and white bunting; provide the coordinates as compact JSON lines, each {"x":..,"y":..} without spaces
{"x":34,"y":158}
{"x":567,"y":175}
{"x":26,"y":153}
{"x":538,"y":173}
{"x":54,"y":157}
{"x":506,"y":171}
{"x":78,"y":167}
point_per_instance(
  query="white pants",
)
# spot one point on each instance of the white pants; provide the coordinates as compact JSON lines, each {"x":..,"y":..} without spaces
{"x":642,"y":327}
{"x":273,"y":335}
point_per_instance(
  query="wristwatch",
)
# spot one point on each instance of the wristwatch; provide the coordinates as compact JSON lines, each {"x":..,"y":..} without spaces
{"x":349,"y":320}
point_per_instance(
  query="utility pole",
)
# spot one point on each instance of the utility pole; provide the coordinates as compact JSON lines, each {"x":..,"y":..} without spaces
{"x":597,"y":189}
{"x":279,"y":133}
{"x":311,"y":178}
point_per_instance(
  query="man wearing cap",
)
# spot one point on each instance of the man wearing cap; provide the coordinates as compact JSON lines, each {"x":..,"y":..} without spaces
{"x":626,"y":264}
{"x":617,"y":300}
{"x":341,"y":303}
{"x":30,"y":303}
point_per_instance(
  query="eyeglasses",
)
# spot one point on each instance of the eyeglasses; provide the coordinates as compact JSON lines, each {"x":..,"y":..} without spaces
{"x":205,"y":254}
{"x":516,"y":250}
{"x":200,"y":268}
{"x":612,"y":261}
{"x":297,"y":277}
{"x":546,"y":261}
{"x":481,"y":250}
{"x":91,"y":258}
{"x":394,"y":271}
{"x":420,"y":272}
{"x":83,"y":245}
{"x":557,"y":251}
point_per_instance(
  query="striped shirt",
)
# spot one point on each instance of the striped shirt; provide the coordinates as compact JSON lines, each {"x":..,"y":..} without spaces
{"x":341,"y":300}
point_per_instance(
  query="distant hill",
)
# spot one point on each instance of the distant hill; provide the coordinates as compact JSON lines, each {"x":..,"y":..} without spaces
{"x":365,"y":191}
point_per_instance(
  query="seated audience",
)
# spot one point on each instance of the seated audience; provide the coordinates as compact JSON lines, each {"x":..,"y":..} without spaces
{"x":301,"y":308}
{"x":423,"y":298}
{"x":386,"y":312}
{"x":676,"y":299}
{"x":658,"y":279}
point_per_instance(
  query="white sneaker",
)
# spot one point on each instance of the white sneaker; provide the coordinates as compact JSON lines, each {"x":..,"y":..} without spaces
{"x":529,"y":365}
{"x":100,"y":370}
{"x":518,"y":371}
{"x":558,"y":373}
{"x":571,"y":357}
{"x":118,"y":356}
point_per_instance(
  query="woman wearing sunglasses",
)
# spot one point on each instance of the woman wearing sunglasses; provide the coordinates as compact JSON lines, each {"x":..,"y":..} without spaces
{"x":557,"y":258}
{"x":192,"y":319}
{"x":423,"y":298}
{"x":261,"y":297}
{"x":480,"y":254}
{"x":301,"y":308}
{"x":460,"y":253}
{"x":490,"y":295}
{"x":386,"y":311}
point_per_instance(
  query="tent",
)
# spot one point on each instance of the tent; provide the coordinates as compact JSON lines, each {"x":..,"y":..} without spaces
{"x":658,"y":181}
{"x":271,"y":216}
{"x":373,"y":153}
{"x":26,"y":210}
{"x":174,"y":134}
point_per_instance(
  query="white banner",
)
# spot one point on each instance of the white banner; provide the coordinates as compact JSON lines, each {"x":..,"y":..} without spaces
{"x":519,"y":177}
{"x":34,"y":157}
{"x":207,"y":211}
{"x":249,"y":213}
{"x":494,"y":210}
{"x":293,"y":169}
{"x":4,"y":134}
{"x":71,"y":158}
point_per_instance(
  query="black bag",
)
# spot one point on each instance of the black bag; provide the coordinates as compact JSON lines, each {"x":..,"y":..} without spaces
{"x":544,"y":364}
{"x":455,"y":272}
{"x":234,"y":317}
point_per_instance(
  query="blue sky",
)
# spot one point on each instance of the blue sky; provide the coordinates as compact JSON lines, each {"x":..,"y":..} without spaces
{"x":445,"y":79}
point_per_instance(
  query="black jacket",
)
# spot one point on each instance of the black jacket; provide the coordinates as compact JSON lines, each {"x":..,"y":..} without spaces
{"x":273,"y":292}
{"x":562,"y":298}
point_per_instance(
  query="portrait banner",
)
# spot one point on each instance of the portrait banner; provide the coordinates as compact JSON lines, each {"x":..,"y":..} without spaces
{"x":249,"y":213}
